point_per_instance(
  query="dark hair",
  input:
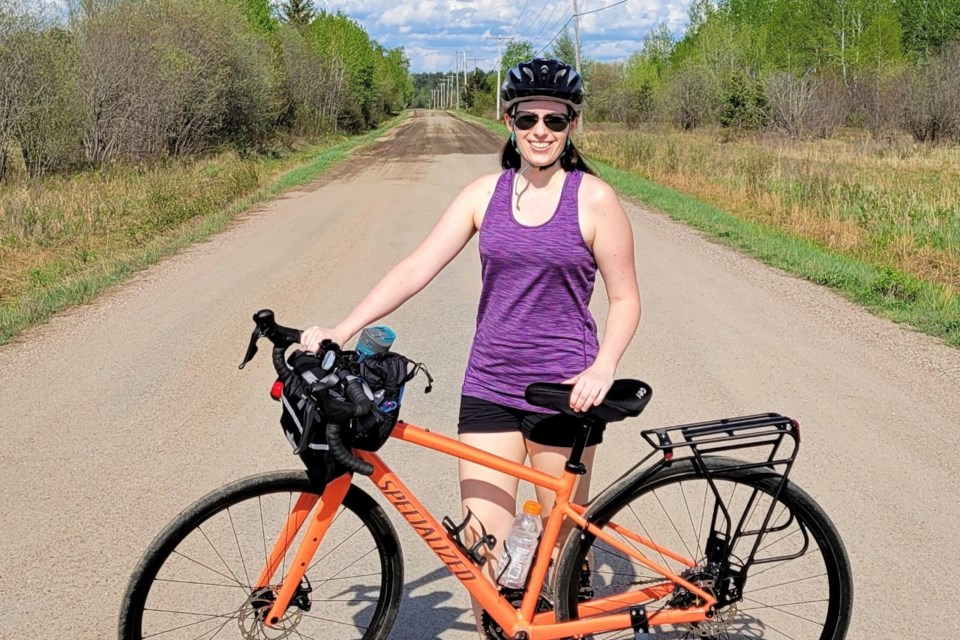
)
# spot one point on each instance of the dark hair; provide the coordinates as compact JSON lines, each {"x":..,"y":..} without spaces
{"x":570,"y":159}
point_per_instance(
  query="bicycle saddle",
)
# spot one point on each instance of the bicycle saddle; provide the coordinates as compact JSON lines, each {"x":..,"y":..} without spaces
{"x":626,"y":399}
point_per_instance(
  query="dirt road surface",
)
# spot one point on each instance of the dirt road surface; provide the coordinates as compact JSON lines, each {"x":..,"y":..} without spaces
{"x":117,"y":415}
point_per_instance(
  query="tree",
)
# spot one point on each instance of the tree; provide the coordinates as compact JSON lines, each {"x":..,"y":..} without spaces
{"x":699,"y":13}
{"x":692,"y":96}
{"x":657,"y":47}
{"x":297,"y":13}
{"x":517,"y":51}
{"x":564,"y":48}
{"x":259,"y":14}
{"x":928,"y":25}
{"x":478,"y":86}
{"x":744,"y":106}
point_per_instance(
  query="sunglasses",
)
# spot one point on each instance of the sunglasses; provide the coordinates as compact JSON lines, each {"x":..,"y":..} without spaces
{"x":556,"y":122}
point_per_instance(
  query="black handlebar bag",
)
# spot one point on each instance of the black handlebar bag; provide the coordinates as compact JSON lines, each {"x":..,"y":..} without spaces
{"x":384,"y":375}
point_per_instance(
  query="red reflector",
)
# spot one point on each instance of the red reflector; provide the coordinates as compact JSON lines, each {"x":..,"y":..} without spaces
{"x":277,"y":390}
{"x":668,"y":455}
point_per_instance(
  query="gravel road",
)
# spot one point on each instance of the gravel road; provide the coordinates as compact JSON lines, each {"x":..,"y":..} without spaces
{"x":116,"y":415}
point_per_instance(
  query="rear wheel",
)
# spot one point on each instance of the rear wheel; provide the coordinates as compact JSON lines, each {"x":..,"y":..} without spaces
{"x":195,"y":581}
{"x":800,"y":588}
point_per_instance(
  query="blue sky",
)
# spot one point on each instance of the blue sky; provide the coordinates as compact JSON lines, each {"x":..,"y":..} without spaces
{"x":432,"y":31}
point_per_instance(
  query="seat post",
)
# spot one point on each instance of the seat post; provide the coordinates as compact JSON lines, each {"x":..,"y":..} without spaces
{"x":575,"y":464}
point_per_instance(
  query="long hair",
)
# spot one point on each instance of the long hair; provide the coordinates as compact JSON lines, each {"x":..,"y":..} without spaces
{"x":570,"y":158}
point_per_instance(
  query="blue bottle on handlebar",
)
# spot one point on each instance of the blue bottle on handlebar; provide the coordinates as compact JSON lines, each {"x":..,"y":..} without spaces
{"x":374,"y":340}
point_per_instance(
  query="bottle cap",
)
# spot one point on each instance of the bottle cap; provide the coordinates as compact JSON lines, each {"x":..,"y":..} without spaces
{"x":532,"y":507}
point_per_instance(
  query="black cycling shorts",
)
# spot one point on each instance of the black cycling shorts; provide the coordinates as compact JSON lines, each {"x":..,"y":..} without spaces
{"x":550,"y":429}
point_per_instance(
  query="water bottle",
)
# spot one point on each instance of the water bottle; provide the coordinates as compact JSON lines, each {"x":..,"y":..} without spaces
{"x":520,"y":545}
{"x":374,"y":340}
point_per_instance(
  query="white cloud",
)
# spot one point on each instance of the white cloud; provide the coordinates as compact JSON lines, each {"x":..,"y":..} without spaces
{"x":434,"y":31}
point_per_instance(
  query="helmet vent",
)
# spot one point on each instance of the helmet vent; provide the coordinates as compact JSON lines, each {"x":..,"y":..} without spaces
{"x":529,"y":73}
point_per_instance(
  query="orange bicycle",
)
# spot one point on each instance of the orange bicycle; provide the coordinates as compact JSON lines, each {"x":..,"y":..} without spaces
{"x":692,"y":545}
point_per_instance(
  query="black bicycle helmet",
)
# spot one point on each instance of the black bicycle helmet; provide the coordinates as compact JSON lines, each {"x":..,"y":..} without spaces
{"x":541,"y":78}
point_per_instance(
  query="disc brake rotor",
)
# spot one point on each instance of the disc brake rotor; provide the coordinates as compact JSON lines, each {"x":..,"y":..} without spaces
{"x":253,"y":613}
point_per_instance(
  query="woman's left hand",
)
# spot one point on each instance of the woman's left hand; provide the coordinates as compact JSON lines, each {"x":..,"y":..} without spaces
{"x":590,"y":387}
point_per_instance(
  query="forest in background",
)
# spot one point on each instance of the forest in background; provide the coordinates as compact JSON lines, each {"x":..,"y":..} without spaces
{"x":139,"y":80}
{"x":802,"y":67}
{"x":130,"y":128}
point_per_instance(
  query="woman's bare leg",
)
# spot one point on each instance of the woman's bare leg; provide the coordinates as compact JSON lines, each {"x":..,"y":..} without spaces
{"x":551,"y":460}
{"x":490,"y":495}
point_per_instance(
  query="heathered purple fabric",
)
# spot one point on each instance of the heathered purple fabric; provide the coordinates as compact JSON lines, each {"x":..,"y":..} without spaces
{"x":534,"y":322}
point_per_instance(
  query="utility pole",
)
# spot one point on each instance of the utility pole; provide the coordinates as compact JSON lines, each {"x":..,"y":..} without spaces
{"x":456,"y":74}
{"x":576,"y":48}
{"x":499,"y":40}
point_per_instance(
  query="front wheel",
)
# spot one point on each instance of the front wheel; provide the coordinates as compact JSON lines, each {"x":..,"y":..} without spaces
{"x":799,"y":588}
{"x":195,"y":580}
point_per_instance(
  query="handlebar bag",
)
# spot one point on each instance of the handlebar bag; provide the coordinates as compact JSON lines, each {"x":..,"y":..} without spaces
{"x":386,"y":374}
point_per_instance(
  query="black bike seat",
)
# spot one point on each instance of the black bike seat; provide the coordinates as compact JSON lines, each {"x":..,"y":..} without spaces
{"x":626,"y":399}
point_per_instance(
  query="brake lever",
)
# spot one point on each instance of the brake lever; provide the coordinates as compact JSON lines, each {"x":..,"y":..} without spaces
{"x":252,"y":347}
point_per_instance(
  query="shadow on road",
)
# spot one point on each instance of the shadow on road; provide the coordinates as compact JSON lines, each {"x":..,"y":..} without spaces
{"x":426,"y":616}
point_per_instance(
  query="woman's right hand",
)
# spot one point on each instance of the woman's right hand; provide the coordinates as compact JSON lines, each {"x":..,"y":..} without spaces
{"x":312,"y":337}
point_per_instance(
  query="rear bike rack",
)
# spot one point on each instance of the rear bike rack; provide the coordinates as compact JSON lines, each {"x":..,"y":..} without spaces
{"x":776,"y":438}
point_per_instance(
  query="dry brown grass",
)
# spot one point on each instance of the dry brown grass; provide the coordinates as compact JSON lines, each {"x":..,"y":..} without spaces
{"x":60,"y":227}
{"x":889,"y":202}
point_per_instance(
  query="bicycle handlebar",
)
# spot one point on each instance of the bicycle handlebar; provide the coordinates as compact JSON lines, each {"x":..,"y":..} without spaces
{"x":359,"y":405}
{"x":362,"y":406}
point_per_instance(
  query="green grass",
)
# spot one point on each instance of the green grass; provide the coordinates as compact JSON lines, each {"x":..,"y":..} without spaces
{"x":887,"y":292}
{"x":130,"y":234}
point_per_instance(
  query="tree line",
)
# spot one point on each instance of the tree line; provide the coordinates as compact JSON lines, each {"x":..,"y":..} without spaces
{"x":135,"y":80}
{"x":803,"y":67}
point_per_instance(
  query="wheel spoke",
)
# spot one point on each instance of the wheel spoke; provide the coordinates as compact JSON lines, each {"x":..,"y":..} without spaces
{"x":230,"y":577}
{"x":207,"y":617}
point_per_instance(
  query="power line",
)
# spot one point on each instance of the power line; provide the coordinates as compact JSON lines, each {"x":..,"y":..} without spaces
{"x":609,"y":6}
{"x":540,"y":13}
{"x":514,"y":29}
{"x":554,"y":38}
{"x":571,"y":18}
{"x":549,"y":22}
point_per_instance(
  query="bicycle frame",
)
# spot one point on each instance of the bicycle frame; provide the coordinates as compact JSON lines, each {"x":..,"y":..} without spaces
{"x":537,"y":626}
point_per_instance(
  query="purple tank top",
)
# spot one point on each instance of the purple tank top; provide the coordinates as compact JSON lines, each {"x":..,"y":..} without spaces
{"x":534,"y":322}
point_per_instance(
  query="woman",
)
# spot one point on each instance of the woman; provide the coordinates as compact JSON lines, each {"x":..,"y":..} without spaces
{"x":546,"y":224}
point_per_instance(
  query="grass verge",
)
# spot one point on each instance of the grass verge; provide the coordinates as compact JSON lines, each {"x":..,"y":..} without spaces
{"x":49,"y":265}
{"x":927,"y":306}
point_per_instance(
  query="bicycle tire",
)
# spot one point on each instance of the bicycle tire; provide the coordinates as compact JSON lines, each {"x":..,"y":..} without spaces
{"x":681,"y":481}
{"x":223,"y":576}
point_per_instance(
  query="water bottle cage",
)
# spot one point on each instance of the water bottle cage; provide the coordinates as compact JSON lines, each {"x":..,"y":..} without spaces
{"x":475,"y":552}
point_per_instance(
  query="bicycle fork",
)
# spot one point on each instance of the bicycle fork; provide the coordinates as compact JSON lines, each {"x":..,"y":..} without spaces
{"x":330,"y":502}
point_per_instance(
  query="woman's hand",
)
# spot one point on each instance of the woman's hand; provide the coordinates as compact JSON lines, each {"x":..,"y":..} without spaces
{"x":312,"y":337}
{"x":590,"y":387}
